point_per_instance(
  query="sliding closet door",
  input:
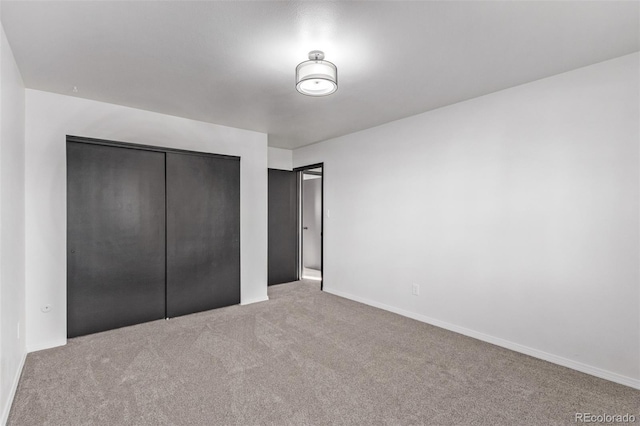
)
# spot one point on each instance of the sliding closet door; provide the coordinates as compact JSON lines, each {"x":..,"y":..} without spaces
{"x":115,"y":237}
{"x":203,"y":233}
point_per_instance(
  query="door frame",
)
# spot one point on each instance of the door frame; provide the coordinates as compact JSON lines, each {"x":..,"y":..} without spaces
{"x":94,"y":141}
{"x":299,"y":171}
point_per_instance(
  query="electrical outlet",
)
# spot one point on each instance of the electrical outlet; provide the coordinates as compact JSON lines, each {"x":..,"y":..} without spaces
{"x":415,"y":289}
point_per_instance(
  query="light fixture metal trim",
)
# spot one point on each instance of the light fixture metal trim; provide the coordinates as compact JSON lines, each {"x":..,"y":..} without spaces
{"x":316,"y":77}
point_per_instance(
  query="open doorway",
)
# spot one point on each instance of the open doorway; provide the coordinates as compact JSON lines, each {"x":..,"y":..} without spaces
{"x":310,"y":222}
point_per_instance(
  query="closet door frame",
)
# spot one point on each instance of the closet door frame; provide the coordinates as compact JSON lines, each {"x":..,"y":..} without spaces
{"x":82,"y":139}
{"x":165,"y":150}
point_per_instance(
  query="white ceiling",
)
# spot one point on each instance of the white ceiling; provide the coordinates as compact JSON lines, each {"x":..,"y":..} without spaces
{"x":232,"y":63}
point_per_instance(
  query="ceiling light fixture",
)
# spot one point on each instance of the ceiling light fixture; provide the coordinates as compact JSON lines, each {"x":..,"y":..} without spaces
{"x":316,"y":77}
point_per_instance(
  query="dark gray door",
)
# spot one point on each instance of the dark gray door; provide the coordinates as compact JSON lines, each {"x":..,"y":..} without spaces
{"x":203,"y":233}
{"x":115,"y":237}
{"x":283,"y":236}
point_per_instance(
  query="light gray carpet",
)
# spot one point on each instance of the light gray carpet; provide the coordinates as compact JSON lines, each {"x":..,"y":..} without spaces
{"x":303,"y":357}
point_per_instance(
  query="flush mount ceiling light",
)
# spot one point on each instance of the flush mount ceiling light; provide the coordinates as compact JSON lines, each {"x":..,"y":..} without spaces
{"x":316,"y":77}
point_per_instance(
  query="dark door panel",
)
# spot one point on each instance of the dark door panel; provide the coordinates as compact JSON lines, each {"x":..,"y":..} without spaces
{"x":282,"y":227}
{"x":203,"y":233}
{"x":115,"y":237}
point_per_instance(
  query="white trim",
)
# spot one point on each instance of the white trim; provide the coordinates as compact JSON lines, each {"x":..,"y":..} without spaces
{"x":12,"y":393}
{"x":254,"y":300}
{"x":45,"y":346}
{"x":536,"y":353}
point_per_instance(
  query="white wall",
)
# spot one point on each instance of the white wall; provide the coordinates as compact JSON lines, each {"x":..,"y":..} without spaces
{"x":281,"y":159}
{"x":311,"y":221}
{"x":517,"y":214}
{"x":12,"y":264}
{"x":49,"y":118}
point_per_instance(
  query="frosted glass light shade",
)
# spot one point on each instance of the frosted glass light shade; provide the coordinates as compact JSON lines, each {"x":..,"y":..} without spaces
{"x":316,"y":77}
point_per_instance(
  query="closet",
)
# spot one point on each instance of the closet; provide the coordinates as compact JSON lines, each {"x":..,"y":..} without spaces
{"x":152,"y":233}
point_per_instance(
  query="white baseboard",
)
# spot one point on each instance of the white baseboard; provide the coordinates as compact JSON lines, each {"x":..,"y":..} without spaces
{"x":255,"y":300}
{"x":12,"y":393}
{"x":536,"y":353}
{"x":47,"y":345}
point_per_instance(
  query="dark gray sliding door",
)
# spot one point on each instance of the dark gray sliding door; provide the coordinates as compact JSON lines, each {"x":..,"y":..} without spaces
{"x":283,"y":236}
{"x":115,"y":237}
{"x":203,"y":232}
